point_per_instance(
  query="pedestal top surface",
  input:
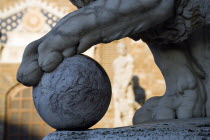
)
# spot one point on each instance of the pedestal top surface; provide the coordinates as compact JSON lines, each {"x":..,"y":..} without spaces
{"x":191,"y":129}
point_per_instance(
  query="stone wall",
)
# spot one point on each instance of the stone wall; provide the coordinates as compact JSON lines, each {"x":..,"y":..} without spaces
{"x":7,"y":82}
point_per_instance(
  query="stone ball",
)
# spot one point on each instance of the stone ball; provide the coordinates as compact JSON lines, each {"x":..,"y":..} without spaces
{"x":75,"y":96}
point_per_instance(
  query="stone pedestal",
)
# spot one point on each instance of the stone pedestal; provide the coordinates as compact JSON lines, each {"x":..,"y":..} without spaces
{"x":191,"y":129}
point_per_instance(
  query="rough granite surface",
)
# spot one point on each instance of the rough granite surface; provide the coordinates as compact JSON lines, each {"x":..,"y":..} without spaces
{"x":75,"y":96}
{"x":191,"y":129}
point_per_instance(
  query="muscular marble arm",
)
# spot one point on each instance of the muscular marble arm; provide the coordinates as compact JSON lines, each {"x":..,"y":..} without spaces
{"x":101,"y":21}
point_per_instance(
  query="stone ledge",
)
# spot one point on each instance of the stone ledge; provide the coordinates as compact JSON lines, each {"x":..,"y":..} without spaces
{"x":191,"y":129}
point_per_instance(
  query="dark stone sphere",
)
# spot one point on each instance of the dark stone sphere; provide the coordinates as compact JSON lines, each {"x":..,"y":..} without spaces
{"x":75,"y":96}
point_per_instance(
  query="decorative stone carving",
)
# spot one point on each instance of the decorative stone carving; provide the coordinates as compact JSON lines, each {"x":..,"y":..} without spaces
{"x":33,"y":20}
{"x":123,"y":94}
{"x":177,"y":32}
{"x":75,"y":96}
{"x":30,"y":18}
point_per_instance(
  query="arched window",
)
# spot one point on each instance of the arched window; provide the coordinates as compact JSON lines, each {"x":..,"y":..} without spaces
{"x":22,"y":120}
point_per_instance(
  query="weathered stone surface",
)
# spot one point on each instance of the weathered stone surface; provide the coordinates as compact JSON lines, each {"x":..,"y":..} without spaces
{"x":192,"y":129}
{"x":75,"y":96}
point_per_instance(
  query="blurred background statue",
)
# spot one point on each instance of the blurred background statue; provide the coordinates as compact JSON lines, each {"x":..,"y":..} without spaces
{"x":123,"y":93}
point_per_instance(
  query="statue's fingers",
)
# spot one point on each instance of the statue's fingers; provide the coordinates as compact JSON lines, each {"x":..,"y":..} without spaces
{"x":87,"y":41}
{"x":29,"y":72}
{"x":53,"y":50}
{"x":70,"y":51}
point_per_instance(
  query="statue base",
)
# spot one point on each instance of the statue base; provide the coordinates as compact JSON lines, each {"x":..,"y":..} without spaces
{"x":189,"y":129}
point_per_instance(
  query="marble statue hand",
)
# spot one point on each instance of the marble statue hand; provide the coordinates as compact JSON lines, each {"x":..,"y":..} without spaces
{"x":101,"y":21}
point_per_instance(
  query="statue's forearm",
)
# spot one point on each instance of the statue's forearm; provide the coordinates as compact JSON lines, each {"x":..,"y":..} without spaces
{"x":102,"y":21}
{"x":115,"y":19}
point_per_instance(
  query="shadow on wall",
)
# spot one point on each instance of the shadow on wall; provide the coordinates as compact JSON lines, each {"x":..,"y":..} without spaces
{"x":20,"y":132}
{"x":139,"y":92}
